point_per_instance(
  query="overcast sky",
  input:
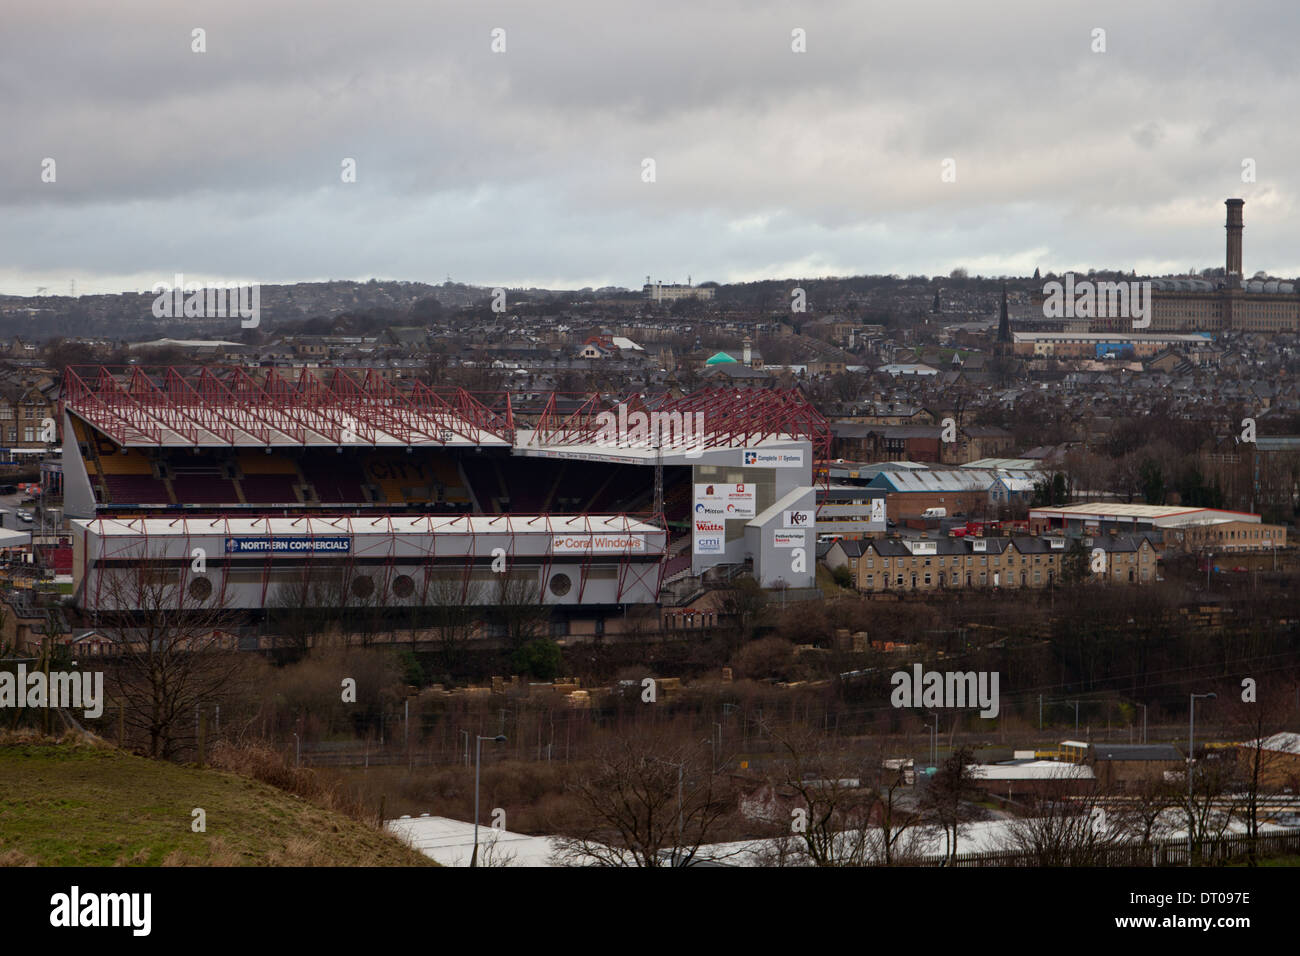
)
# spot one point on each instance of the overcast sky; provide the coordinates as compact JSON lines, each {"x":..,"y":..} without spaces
{"x":526,"y":167}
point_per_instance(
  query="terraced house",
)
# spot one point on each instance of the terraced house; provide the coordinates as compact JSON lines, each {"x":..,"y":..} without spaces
{"x":882,"y":565}
{"x":24,"y":405}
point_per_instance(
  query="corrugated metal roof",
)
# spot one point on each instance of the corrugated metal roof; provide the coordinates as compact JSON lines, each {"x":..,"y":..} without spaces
{"x":957,"y":479}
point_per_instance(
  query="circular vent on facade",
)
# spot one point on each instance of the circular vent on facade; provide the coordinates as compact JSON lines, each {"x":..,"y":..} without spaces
{"x":200,"y":589}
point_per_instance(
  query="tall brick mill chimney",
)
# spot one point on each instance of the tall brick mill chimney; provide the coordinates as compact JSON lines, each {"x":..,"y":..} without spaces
{"x":1234,"y":227}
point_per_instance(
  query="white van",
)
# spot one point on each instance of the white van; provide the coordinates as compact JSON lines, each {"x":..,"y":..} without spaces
{"x":934,"y":513}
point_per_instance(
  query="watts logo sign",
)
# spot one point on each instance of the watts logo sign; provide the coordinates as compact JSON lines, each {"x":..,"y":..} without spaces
{"x":708,"y":537}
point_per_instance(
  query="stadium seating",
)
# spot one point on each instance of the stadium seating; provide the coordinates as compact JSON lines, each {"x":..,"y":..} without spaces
{"x":204,"y":489}
{"x":402,"y":479}
{"x":259,"y":463}
{"x":336,"y":479}
{"x":448,"y":476}
{"x":136,"y":490}
{"x":128,"y":461}
{"x":270,"y":489}
{"x":432,"y":479}
{"x":341,"y":490}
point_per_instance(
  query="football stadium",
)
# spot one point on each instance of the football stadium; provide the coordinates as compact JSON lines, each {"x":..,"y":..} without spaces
{"x":244,"y":487}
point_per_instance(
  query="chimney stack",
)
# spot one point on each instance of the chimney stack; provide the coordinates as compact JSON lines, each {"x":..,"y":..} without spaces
{"x":748,"y":351}
{"x":1234,"y":227}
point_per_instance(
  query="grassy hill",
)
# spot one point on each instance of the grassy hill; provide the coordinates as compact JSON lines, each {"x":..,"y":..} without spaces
{"x":77,"y":804}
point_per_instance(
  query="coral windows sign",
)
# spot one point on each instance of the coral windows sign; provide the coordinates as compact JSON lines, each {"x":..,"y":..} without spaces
{"x":598,"y":544}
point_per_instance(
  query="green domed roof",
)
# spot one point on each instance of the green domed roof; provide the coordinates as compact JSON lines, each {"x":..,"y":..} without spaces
{"x":720,"y":359}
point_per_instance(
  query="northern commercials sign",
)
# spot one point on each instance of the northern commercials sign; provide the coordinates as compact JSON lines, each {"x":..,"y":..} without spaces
{"x":295,"y":544}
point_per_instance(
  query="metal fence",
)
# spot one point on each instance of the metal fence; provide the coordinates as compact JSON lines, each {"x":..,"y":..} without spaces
{"x":1216,"y":851}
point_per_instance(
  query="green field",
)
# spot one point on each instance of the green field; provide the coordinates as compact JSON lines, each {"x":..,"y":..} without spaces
{"x":64,"y":804}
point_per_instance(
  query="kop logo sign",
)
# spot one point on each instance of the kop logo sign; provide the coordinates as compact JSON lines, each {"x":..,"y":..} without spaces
{"x":798,"y":519}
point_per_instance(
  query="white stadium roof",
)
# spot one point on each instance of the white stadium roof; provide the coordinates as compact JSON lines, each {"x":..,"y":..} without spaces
{"x":365,"y":525}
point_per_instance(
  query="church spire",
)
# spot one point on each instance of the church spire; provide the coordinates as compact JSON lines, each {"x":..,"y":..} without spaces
{"x":1004,"y":322}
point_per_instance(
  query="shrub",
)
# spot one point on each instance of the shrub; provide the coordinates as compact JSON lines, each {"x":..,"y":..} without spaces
{"x":541,"y":658}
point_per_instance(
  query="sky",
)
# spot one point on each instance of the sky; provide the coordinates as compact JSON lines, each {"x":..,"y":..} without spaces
{"x":909,"y":137}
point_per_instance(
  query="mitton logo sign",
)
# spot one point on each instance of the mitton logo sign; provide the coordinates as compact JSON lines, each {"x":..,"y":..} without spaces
{"x":725,"y":501}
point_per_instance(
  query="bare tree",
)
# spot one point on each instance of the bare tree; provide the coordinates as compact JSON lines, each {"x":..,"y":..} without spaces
{"x":646,"y":801}
{"x":743,"y":606}
{"x":519,"y":607}
{"x":833,"y":809}
{"x":303,"y":609}
{"x":851,"y":808}
{"x":454,"y":611}
{"x":1260,"y":767}
{"x":1065,"y":829}
{"x":1212,"y":804}
{"x":175,"y":644}
{"x":948,"y":796}
{"x":899,"y":818}
{"x":1143,"y":816}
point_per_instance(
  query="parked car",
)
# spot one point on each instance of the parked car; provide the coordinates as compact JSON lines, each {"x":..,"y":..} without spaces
{"x":26,"y":516}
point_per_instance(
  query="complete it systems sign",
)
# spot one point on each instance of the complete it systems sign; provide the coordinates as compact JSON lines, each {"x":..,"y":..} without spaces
{"x":295,"y":544}
{"x":772,"y":459}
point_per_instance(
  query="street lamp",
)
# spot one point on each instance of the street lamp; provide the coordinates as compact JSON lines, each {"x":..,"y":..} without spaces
{"x":1144,"y":722}
{"x":1191,"y":751}
{"x":478,"y":758}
